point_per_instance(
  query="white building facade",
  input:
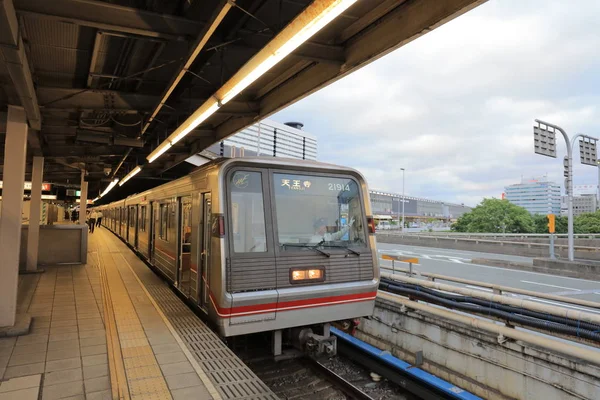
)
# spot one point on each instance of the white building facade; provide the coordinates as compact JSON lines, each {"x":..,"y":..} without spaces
{"x":538,"y":196}
{"x":269,"y":139}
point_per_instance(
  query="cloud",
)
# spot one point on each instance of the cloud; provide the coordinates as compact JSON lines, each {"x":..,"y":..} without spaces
{"x":455,"y":108}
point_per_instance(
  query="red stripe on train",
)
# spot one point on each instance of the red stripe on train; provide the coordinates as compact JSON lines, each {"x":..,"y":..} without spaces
{"x":291,"y":305}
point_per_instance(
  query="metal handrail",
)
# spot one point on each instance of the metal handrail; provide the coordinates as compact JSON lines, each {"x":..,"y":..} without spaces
{"x":459,"y":234}
{"x":571,"y":350}
{"x":528,"y":244}
{"x":501,"y":289}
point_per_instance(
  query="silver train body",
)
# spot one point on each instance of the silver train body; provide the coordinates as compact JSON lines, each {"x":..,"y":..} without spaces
{"x":222,"y":247}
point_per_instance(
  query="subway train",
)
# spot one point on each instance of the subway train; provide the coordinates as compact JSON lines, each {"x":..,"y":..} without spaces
{"x":260,"y":244}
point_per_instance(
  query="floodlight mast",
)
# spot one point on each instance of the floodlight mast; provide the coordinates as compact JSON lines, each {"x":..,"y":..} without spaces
{"x":569,"y":186}
{"x":546,"y":133}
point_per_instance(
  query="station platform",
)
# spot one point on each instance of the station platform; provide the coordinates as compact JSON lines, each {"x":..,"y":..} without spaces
{"x":112,"y":329}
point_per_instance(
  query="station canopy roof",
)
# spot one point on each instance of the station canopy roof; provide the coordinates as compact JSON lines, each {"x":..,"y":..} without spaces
{"x":104,"y":83}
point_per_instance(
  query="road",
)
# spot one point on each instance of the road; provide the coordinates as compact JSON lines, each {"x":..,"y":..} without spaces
{"x":456,"y":263}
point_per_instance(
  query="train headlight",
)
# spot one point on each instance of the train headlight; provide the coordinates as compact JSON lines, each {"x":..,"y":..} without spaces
{"x":315,"y":274}
{"x":298,"y":275}
{"x":307,"y":275}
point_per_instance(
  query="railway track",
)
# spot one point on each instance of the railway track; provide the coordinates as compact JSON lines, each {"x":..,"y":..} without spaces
{"x":335,"y":378}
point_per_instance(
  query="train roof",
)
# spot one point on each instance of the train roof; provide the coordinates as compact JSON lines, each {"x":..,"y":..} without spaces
{"x":276,"y":161}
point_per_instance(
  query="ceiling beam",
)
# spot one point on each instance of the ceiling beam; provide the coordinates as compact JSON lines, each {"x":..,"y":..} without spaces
{"x":12,"y":49}
{"x":195,"y":148}
{"x":401,"y":26}
{"x":232,"y":126}
{"x":82,"y":151}
{"x":56,"y":99}
{"x":107,"y":16}
{"x":369,"y":18}
{"x":203,"y":37}
{"x":299,"y":86}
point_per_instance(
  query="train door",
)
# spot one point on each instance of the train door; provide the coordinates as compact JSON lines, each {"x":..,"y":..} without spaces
{"x":204,"y":232}
{"x":184,"y":241}
{"x":127,"y":220}
{"x":155,"y":218}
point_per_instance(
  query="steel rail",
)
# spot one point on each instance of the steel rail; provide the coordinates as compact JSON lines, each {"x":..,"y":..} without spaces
{"x":398,"y":376}
{"x":340,"y":383}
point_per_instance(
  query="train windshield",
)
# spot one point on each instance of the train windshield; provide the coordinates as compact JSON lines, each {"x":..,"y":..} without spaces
{"x":318,"y":210}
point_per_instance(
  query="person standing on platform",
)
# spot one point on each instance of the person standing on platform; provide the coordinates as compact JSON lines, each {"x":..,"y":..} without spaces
{"x":98,"y":218}
{"x":92,"y":221}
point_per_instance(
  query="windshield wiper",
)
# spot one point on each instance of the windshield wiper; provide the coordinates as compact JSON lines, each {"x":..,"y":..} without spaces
{"x":307,"y":246}
{"x":344,"y":247}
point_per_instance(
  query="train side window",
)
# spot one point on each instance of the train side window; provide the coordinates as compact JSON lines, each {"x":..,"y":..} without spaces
{"x":142,"y":222}
{"x":247,"y":212}
{"x":164,"y":218}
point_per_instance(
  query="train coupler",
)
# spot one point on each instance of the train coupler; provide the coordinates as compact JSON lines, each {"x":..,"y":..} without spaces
{"x":314,"y":344}
{"x":319,"y":345}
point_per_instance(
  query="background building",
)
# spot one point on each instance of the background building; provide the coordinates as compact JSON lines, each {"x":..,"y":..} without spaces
{"x":584,"y":204}
{"x":417,"y":210}
{"x":538,"y":195}
{"x":269,"y":138}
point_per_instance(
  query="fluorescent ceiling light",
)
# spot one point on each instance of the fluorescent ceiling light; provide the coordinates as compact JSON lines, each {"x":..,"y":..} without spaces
{"x":164,"y":146}
{"x":206,"y":110}
{"x":316,"y":16}
{"x":130,"y":175}
{"x":109,"y":187}
{"x":96,"y":199}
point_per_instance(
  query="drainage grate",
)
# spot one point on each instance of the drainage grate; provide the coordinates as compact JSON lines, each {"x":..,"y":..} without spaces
{"x":232,"y":378}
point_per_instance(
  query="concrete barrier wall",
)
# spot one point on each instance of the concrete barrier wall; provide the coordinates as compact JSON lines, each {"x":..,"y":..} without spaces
{"x":525,"y":249}
{"x":58,"y":244}
{"x":475,"y":361}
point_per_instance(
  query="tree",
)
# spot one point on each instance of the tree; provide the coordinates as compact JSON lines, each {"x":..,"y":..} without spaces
{"x":587,"y":223}
{"x":496,"y":216}
{"x":562,"y":224}
{"x":462,"y":223}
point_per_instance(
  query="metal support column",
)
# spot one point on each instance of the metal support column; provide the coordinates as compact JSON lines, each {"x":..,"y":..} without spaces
{"x":598,"y":191}
{"x":33,"y":233}
{"x":83,"y":199}
{"x":15,"y":151}
{"x":277,"y":343}
{"x":403,"y":199}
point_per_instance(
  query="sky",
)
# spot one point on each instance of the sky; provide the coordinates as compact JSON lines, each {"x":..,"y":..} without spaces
{"x":456,"y":107}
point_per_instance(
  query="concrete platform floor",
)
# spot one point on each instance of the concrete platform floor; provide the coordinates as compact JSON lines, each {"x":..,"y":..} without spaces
{"x":96,"y":334}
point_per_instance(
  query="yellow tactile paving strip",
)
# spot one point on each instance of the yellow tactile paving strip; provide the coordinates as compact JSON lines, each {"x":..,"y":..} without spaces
{"x":135,"y":372}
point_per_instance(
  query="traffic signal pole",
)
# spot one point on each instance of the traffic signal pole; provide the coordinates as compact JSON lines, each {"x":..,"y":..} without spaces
{"x":551,"y":230}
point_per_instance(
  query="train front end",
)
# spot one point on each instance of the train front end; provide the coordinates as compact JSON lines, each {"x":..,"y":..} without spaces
{"x":299,"y":248}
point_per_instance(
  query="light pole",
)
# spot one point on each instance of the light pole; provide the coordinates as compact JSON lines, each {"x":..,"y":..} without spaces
{"x":544,"y":144}
{"x":403,"y":199}
{"x":598,"y":197}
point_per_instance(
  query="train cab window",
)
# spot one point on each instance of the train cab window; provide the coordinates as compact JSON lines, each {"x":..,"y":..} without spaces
{"x":318,"y":210}
{"x":164,"y":221}
{"x":247,"y":212}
